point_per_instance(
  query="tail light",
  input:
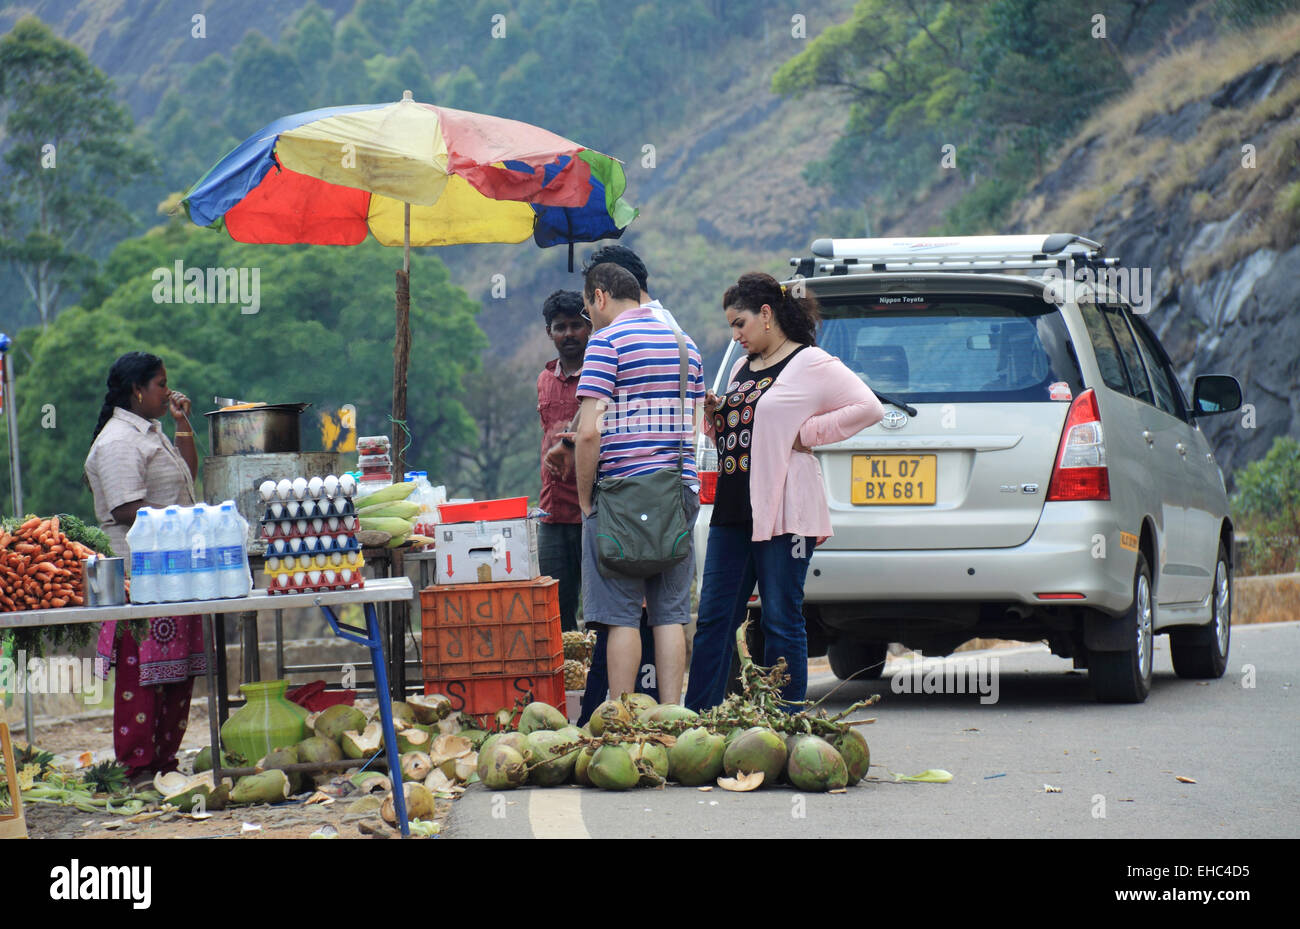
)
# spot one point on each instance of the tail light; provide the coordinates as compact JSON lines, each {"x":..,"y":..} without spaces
{"x":1080,"y":472}
{"x":708,"y":486}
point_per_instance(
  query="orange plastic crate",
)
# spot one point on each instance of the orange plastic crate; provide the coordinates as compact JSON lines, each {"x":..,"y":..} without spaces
{"x":483,"y":696}
{"x":491,"y":630}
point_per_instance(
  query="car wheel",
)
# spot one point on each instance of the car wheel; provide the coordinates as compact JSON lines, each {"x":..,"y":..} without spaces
{"x":1202,"y":651}
{"x":849,"y":656}
{"x":1125,"y":676}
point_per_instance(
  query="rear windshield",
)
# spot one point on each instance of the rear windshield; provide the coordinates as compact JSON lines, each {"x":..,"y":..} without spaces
{"x":945,"y":348}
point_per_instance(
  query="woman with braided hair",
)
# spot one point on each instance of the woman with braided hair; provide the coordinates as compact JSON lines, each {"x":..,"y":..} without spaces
{"x":786,"y":397}
{"x":132,"y":464}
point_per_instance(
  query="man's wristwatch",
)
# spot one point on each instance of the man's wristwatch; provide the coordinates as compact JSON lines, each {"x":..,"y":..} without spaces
{"x":567,"y":443}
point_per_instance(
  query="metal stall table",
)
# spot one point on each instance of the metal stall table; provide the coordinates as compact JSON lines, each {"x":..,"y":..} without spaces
{"x":383,"y":590}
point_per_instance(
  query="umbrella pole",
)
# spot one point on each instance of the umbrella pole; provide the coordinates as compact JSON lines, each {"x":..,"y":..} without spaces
{"x":402,"y":353}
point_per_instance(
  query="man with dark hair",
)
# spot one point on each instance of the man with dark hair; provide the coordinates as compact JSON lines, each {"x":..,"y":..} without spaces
{"x":629,"y":261}
{"x":559,"y":535}
{"x":633,"y":362}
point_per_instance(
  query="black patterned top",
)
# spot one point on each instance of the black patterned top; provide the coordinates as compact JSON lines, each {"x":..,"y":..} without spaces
{"x":733,"y":424}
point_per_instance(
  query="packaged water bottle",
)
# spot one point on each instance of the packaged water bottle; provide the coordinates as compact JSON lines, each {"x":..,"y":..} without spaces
{"x":146,"y":559}
{"x":175,"y":581}
{"x":203,"y":555}
{"x":232,"y":559}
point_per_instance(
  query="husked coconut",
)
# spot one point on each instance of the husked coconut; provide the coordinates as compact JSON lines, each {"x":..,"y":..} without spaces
{"x":268,"y":787}
{"x":416,"y":766}
{"x":363,"y":744}
{"x":537,"y":716}
{"x":607,"y":711}
{"x":429,"y":709}
{"x":335,"y":720}
{"x":419,"y":804}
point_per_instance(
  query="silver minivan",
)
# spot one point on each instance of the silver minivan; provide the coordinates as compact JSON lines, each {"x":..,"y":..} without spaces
{"x":1038,"y":474}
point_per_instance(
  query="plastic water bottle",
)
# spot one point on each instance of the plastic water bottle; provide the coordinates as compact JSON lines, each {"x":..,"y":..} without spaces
{"x":146,"y":559}
{"x":203,"y":556}
{"x":232,"y":560}
{"x":175,"y":581}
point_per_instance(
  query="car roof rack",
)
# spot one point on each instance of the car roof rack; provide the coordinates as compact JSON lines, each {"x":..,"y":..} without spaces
{"x":953,"y":253}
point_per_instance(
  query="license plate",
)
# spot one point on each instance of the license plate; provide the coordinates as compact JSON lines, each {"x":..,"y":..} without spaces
{"x":907,"y":480}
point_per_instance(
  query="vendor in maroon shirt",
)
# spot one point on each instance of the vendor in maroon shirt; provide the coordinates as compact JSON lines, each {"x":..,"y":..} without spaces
{"x":559,"y":537}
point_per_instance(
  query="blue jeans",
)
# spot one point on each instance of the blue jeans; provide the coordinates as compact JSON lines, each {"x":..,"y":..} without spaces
{"x":732,"y":565}
{"x":559,"y":554}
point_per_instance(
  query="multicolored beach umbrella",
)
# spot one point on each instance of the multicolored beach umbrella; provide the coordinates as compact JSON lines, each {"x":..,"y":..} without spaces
{"x":410,"y":173}
{"x":334,"y":175}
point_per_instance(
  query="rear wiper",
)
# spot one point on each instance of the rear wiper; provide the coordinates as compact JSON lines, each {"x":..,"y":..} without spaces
{"x":909,"y":410}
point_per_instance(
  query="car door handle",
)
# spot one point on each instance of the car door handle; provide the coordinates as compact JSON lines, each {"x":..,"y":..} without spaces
{"x":1182,"y":449}
{"x":1151,"y":440}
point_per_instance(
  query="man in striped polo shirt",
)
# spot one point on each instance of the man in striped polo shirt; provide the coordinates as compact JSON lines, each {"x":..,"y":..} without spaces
{"x":631,"y":422}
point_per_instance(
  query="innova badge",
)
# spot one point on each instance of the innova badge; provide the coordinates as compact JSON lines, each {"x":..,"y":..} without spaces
{"x":893,"y":419}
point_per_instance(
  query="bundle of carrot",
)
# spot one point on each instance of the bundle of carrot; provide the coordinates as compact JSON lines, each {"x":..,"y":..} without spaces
{"x":40,"y":567}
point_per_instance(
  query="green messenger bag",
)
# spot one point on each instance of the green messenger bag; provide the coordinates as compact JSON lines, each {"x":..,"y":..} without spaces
{"x":641,"y":525}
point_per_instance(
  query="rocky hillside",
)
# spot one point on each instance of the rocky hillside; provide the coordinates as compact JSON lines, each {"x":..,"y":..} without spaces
{"x":1196,"y":175}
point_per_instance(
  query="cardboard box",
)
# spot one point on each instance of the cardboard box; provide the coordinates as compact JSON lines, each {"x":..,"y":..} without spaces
{"x":487,"y":552}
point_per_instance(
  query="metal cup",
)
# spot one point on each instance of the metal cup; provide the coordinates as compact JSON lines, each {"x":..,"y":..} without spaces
{"x":105,"y":580}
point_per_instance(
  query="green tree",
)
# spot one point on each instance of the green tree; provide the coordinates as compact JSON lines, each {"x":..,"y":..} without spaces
{"x":1266,"y":508}
{"x":505,"y":458}
{"x":323,"y":334}
{"x":68,"y":143}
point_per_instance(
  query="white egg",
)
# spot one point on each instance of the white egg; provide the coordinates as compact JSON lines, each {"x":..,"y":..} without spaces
{"x":319,"y":561}
{"x":299,"y":577}
{"x":336,"y":558}
{"x":279,"y":545}
{"x":300,"y":487}
{"x":294,"y":508}
{"x":273,"y":564}
{"x":311,"y":542}
{"x":301,"y":526}
{"x":341,"y":540}
{"x":330,"y":485}
{"x":284,"y":489}
{"x":333,"y":523}
{"x":277,"y":510}
{"x":348,"y":484}
{"x":340,"y":505}
{"x":349,"y":522}
{"x":315,"y":486}
{"x":295,"y":545}
{"x":267,"y":490}
{"x":346,"y":575}
{"x":331,"y":577}
{"x":314,"y":577}
{"x":318,"y":524}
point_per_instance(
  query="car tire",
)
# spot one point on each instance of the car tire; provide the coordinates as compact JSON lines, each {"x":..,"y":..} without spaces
{"x":1125,"y":676}
{"x":849,"y":656}
{"x":1202,"y":651}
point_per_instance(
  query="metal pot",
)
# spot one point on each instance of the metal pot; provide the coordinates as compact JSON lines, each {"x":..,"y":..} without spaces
{"x":105,"y":580}
{"x":269,"y":429}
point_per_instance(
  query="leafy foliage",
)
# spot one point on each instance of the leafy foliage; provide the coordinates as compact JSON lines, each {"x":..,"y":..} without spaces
{"x":323,"y":334}
{"x":67,"y":143}
{"x":1266,"y":508}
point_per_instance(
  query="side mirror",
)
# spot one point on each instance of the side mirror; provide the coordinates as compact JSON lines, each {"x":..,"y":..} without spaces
{"x":1215,"y":393}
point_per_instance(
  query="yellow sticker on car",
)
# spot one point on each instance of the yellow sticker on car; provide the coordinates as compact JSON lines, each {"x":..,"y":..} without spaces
{"x":1128,"y":541}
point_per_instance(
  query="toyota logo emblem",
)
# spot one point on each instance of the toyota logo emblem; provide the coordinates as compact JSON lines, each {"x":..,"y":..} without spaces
{"x":894,"y":420}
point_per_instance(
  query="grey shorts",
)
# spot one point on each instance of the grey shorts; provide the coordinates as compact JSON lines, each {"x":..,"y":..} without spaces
{"x":617,"y":601}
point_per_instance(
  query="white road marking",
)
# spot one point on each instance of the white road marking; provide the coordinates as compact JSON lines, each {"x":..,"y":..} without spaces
{"x":557,"y":814}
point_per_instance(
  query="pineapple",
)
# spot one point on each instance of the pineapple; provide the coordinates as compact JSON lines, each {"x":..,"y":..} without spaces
{"x":575,"y":675}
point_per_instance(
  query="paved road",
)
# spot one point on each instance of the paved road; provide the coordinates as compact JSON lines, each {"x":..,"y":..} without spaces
{"x":1116,"y":766}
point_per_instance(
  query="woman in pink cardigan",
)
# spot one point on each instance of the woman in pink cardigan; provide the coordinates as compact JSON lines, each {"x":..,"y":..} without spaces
{"x":784,"y":399}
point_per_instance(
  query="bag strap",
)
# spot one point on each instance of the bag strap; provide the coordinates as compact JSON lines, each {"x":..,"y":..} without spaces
{"x":681,"y":395}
